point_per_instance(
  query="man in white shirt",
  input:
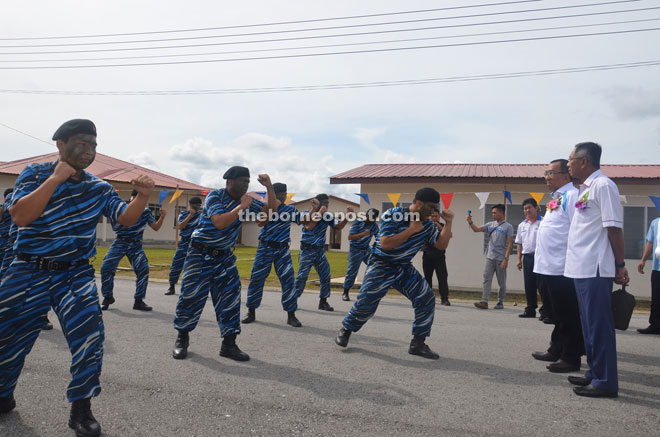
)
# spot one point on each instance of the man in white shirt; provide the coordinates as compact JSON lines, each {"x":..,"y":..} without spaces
{"x":595,"y":259}
{"x":558,"y":291}
{"x":526,"y":245}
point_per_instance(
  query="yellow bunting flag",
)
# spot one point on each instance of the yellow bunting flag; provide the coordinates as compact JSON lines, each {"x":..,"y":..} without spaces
{"x":394,"y":197}
{"x":176,"y":195}
{"x":537,"y":196}
{"x":289,"y":196}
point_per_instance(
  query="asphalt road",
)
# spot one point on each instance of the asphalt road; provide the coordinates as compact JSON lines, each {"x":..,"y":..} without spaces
{"x":299,"y":383}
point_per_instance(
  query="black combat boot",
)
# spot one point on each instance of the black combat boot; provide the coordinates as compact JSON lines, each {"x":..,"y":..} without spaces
{"x":324,"y":305}
{"x":107,"y":301}
{"x":170,"y":291}
{"x":251,"y":316}
{"x":342,"y":337}
{"x":292,"y":320}
{"x":229,"y":349}
{"x":141,"y":306}
{"x":418,"y":347}
{"x":82,"y":420}
{"x":181,"y":346}
{"x":345,"y":297}
{"x":7,"y":404}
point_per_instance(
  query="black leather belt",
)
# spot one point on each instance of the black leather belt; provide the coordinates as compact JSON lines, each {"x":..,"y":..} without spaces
{"x":48,"y":264}
{"x":274,"y":244}
{"x":208,"y":250}
{"x":309,"y":246}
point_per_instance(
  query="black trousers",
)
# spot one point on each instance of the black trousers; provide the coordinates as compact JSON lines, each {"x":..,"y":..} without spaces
{"x":654,"y":318}
{"x":531,"y":281}
{"x":437,"y":264}
{"x":566,"y":341}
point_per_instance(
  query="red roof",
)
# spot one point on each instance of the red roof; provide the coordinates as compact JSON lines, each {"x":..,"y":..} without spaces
{"x":388,"y":173}
{"x":109,"y":169}
{"x":331,"y":196}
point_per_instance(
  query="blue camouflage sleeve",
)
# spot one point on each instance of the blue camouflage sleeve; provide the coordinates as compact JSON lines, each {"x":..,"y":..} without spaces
{"x":388,"y":226}
{"x":215,"y":204}
{"x":295,"y":216}
{"x":150,"y":216}
{"x":256,"y":206}
{"x":114,"y":205}
{"x":26,"y":183}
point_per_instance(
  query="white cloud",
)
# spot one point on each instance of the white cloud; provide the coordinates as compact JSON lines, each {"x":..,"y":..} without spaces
{"x":634,"y":103}
{"x":144,"y":159}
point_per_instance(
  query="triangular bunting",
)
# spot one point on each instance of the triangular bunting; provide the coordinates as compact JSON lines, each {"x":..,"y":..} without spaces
{"x":446,"y":199}
{"x":483,"y":197}
{"x":176,"y":195}
{"x":623,"y":198}
{"x":289,"y":196}
{"x":204,"y":192}
{"x":507,"y":196}
{"x":656,"y":201}
{"x":537,"y":196}
{"x":162,"y":195}
{"x":365,"y":196}
{"x":394,"y":197}
{"x":261,"y":194}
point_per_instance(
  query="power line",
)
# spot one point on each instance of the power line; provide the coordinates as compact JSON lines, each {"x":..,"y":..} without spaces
{"x":590,"y":14}
{"x":23,"y":133}
{"x":347,"y":26}
{"x":348,"y":52}
{"x":338,"y":45}
{"x":315,"y":20}
{"x":355,"y":85}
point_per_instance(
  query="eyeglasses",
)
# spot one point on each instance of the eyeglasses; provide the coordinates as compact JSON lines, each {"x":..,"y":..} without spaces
{"x":551,"y":172}
{"x":577,"y":157}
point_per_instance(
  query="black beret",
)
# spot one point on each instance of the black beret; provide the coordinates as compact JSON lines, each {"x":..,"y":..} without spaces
{"x":279,"y":187}
{"x":8,"y":191}
{"x":195,"y":200}
{"x":321,"y":197}
{"x":236,"y":172}
{"x":427,"y":195}
{"x":134,"y":193}
{"x":73,"y":127}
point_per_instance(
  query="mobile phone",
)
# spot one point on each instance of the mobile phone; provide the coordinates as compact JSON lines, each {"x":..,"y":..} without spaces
{"x":469,"y":212}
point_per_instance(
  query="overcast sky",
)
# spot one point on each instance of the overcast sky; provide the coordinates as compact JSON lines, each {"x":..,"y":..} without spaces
{"x":303,"y":137}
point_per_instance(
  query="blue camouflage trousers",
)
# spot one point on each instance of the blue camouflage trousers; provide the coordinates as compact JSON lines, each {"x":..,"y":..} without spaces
{"x":355,"y":258}
{"x":26,"y":295}
{"x":313,"y":257}
{"x":4,"y":246}
{"x":219,"y":276}
{"x":8,"y":257}
{"x":177,"y":261}
{"x":267,"y":256}
{"x":138,"y":259}
{"x":378,"y":279}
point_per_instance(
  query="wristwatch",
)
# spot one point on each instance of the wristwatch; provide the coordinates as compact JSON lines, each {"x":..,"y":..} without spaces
{"x":618,"y":266}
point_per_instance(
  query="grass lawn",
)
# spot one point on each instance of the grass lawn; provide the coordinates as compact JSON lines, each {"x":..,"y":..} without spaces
{"x":160,"y":260}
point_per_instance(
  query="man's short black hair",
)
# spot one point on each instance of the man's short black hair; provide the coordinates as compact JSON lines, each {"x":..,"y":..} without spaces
{"x":372,"y":214}
{"x":530,"y":201}
{"x":8,"y":191}
{"x":427,"y":195}
{"x":322,"y":197}
{"x":563,"y":164}
{"x":195,"y":201}
{"x":591,"y":151}
{"x":500,"y":206}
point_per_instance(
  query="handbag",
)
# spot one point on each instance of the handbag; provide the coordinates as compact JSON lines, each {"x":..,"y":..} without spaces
{"x":623,"y":304}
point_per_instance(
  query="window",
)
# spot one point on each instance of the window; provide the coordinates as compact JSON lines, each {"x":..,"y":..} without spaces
{"x":636,"y":222}
{"x":155,"y":209}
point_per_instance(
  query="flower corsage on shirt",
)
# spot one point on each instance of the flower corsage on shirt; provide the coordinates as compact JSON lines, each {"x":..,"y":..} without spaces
{"x":581,"y":204}
{"x":554,"y":204}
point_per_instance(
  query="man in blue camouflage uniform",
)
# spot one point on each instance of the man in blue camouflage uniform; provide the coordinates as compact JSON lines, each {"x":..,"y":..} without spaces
{"x":128,"y":243}
{"x":401,"y":236}
{"x":312,"y":251}
{"x":186,"y":223}
{"x":359,"y":236}
{"x":274,"y":240}
{"x":210,"y":265}
{"x":56,"y":206}
{"x":5,"y":224}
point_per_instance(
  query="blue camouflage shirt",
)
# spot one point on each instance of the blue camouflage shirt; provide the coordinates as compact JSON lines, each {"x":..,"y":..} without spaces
{"x":394,"y":221}
{"x":136,"y":231}
{"x":360,"y":226}
{"x":316,"y":236}
{"x":279,"y":231}
{"x":219,"y":202}
{"x":66,"y":230}
{"x":186,"y":232}
{"x":5,"y":220}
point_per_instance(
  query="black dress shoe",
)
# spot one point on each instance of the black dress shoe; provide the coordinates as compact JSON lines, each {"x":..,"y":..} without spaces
{"x":544,"y":356}
{"x":47,"y":326}
{"x":107,"y":301}
{"x":324,"y":305}
{"x":562,"y":366}
{"x":170,"y":291}
{"x":342,"y":337}
{"x":181,"y":346}
{"x":7,"y":404}
{"x":445,"y":303}
{"x":82,"y":420}
{"x":592,"y":392}
{"x":650,"y":330}
{"x":528,"y":314}
{"x":345,"y":296}
{"x":141,"y":306}
{"x":251,"y":316}
{"x":292,"y":320}
{"x":418,"y":347}
{"x":579,"y":380}
{"x":233,"y":352}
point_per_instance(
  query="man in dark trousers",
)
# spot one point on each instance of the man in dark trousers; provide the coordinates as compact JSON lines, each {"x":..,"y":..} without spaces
{"x":558,"y":291}
{"x":434,"y":260}
{"x":56,"y":206}
{"x":128,"y":243}
{"x":526,"y":245}
{"x":403,"y":233}
{"x":210,"y":265}
{"x":273,"y":249}
{"x":651,"y":250}
{"x":359,"y":237}
{"x":186,"y":223}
